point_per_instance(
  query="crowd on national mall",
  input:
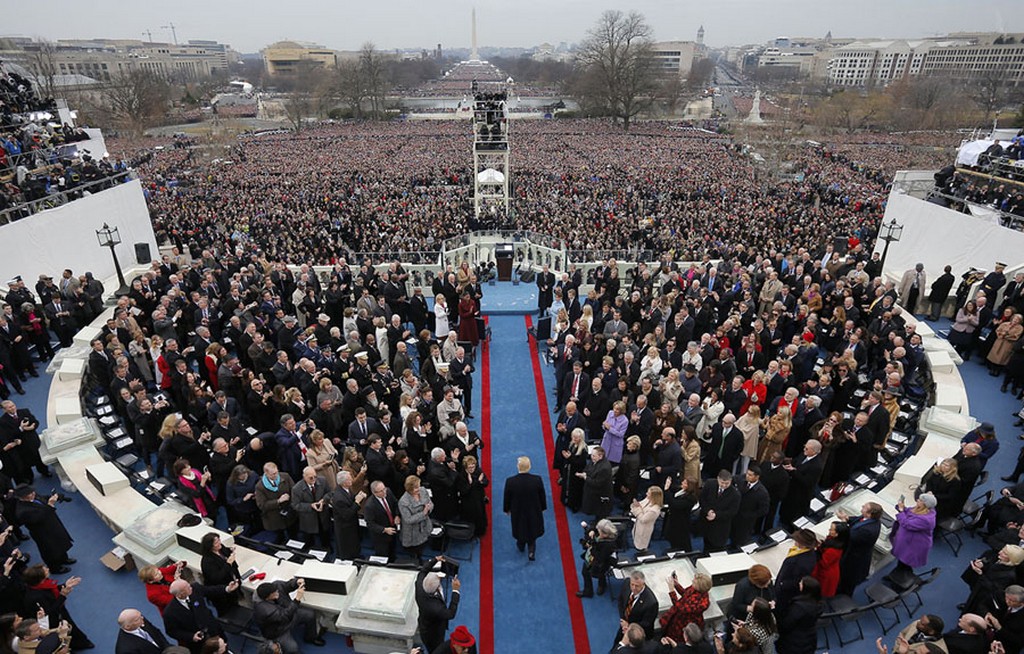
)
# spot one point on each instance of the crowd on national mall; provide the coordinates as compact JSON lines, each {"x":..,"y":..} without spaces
{"x":292,"y":405}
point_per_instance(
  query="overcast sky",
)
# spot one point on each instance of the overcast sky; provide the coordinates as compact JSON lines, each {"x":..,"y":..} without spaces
{"x":248,"y":25}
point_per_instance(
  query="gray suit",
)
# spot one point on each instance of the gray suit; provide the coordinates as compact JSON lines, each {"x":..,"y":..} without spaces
{"x":312,"y":522}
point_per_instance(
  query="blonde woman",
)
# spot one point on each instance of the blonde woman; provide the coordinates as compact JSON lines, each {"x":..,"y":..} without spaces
{"x":713,"y":409}
{"x":650,"y":365}
{"x":645,"y":513}
{"x":944,"y":483}
{"x":165,"y":456}
{"x":671,"y":388}
{"x":322,"y":456}
{"x":749,"y":425}
{"x":776,"y":429}
{"x":441,"y":327}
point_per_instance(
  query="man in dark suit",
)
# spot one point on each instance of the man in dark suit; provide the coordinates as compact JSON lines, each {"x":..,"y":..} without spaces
{"x":564,"y":358}
{"x":188,"y":619}
{"x":382,"y":519}
{"x":641,"y":422}
{"x":726,"y":444}
{"x":19,"y":426}
{"x":138,"y":636}
{"x":434,"y":613}
{"x":101,"y":364}
{"x":719,"y":504}
{"x":637,"y":605}
{"x":525,"y":503}
{"x":775,"y":478}
{"x":545,"y":289}
{"x":855,"y":564}
{"x":969,"y":637}
{"x":59,"y":314}
{"x":221,"y":402}
{"x":568,"y":420}
{"x":309,"y":499}
{"x":878,"y":420}
{"x":361,"y":428}
{"x":345,"y":506}
{"x":45,"y":527}
{"x":460,"y":369}
{"x":418,"y":311}
{"x":1007,"y":620}
{"x":754,"y":501}
{"x":803,"y":483}
{"x":575,"y":385}
{"x":668,"y":457}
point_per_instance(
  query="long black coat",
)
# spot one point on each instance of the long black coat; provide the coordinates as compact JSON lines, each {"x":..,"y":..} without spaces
{"x":725,"y":505}
{"x":802,"y":487}
{"x":434,"y":614}
{"x":798,"y":627}
{"x":677,"y":522}
{"x":787,"y":582}
{"x":525,"y":502}
{"x":46,"y":529}
{"x":855,"y":564}
{"x":346,"y":524}
{"x":597,"y":488}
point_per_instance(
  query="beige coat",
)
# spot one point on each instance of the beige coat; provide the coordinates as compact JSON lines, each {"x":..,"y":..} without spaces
{"x":691,"y":461}
{"x":750,"y":427}
{"x":1007,"y":334}
{"x":645,"y":515}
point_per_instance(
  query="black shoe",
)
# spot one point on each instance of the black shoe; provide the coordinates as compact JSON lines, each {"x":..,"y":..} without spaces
{"x":21,"y":391}
{"x":61,"y":570}
{"x":70,"y":561}
{"x":1003,"y":388}
{"x":961,"y":607}
{"x":23,"y":378}
{"x":1012,"y":479}
{"x":87,"y":645}
{"x":580,"y":593}
{"x":601,"y":589}
{"x":46,"y":473}
{"x":318,"y":641}
{"x":533,"y":557}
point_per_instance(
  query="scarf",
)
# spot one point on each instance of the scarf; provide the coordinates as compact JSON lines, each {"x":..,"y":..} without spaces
{"x":198,"y":500}
{"x":50,"y":585}
{"x":269,"y":485}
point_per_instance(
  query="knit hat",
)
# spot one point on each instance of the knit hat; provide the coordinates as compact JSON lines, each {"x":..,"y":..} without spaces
{"x":265,"y":590}
{"x":462,"y":637}
{"x":928,"y":500}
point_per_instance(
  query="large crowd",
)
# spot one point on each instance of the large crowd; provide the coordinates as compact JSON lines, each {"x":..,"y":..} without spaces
{"x":723,"y":385}
{"x":404,"y":187}
{"x":34,"y":162}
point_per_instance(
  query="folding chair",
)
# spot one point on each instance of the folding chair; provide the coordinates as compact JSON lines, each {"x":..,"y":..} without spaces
{"x":884,"y":597}
{"x":845,"y":609}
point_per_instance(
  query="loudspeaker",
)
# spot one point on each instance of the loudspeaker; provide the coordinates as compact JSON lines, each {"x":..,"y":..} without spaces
{"x":142,"y":254}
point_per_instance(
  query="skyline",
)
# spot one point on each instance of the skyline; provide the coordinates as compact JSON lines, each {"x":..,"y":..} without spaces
{"x":406,"y":24}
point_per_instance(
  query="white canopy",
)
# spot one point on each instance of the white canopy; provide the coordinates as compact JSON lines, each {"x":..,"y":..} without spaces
{"x":490,"y":176}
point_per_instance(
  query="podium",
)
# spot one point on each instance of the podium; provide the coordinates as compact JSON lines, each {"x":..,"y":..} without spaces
{"x":504,"y":255}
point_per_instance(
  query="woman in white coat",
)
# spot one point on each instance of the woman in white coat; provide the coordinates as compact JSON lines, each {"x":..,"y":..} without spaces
{"x":441,"y":327}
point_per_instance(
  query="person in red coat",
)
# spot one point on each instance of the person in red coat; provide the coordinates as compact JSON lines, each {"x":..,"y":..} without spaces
{"x":826,"y":571}
{"x":158,"y":583}
{"x":468,"y":313}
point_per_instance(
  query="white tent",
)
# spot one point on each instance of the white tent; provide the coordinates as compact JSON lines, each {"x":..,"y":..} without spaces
{"x":490,"y":176}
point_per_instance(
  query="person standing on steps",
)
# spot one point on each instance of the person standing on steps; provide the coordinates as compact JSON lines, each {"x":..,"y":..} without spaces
{"x":525,"y":504}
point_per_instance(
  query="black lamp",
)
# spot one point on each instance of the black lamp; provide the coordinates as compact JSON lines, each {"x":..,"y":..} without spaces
{"x":110,"y":238}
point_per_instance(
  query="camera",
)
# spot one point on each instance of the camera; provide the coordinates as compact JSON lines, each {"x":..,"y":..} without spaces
{"x":61,"y":497}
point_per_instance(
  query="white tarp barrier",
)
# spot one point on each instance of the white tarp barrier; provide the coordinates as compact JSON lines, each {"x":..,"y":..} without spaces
{"x":65,"y":237}
{"x":937,"y":237}
{"x":969,"y":152}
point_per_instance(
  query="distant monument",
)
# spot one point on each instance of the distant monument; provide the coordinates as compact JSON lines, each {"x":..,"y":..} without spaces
{"x":474,"y":55}
{"x":755,"y":110}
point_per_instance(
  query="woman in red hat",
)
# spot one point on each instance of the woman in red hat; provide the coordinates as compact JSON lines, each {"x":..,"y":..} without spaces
{"x":461,"y":642}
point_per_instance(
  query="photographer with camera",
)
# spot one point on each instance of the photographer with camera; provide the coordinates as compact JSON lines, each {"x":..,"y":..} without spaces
{"x":598,"y":548}
{"x":45,"y":526}
{"x":276,"y":614}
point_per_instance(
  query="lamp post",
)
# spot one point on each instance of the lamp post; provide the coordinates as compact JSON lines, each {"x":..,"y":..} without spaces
{"x":110,"y":238}
{"x":889,"y":232}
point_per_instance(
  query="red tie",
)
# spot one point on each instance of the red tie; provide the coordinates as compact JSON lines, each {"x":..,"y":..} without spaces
{"x":575,"y":385}
{"x":387,"y":509}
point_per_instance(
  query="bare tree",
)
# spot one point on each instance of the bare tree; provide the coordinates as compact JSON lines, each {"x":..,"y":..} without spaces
{"x":617,"y":55}
{"x":374,"y":75}
{"x":133,"y":100}
{"x":348,"y":86}
{"x":43,"y":62}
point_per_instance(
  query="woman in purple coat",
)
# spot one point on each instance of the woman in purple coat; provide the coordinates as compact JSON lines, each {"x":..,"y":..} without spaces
{"x":615,"y":425}
{"x":912,"y":535}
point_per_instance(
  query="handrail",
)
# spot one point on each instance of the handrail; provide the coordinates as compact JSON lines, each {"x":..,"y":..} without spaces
{"x":59,"y":198}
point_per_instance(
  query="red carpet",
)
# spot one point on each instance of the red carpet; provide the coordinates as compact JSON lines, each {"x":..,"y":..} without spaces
{"x":485,"y":639}
{"x":579,"y":624}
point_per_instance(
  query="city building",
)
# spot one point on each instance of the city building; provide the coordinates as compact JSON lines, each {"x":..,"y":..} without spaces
{"x":104,"y":59}
{"x":288,"y":57}
{"x":962,"y":56}
{"x":677,"y":56}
